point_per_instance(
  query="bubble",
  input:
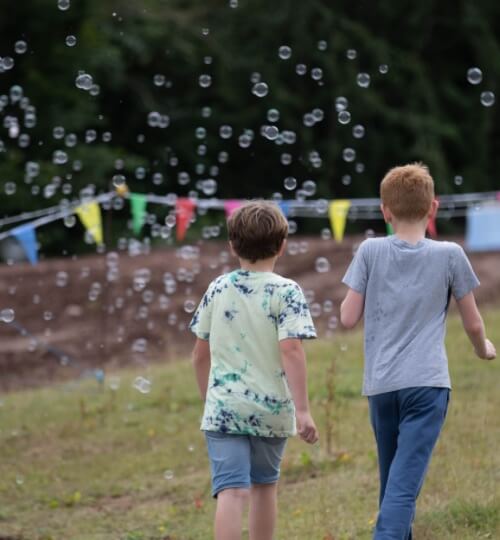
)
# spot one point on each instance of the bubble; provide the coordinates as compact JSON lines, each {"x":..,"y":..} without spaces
{"x":309,"y":120}
{"x":61,"y":279}
{"x":189,"y":306}
{"x":225,"y":132}
{"x":318,"y":114}
{"x":286,"y":158}
{"x":19,"y":480}
{"x":322,"y":265}
{"x":7,"y":63}
{"x":348,"y":154}
{"x":118,"y":180}
{"x":159,"y":79}
{"x":16,"y":93}
{"x":209,"y":186}
{"x":487,"y":99}
{"x":260,"y":89}
{"x":474,"y":75}
{"x":63,"y":5}
{"x":326,"y":234}
{"x":70,"y":41}
{"x":290,"y":183}
{"x":383,"y":69}
{"x":351,"y":54}
{"x":301,"y":69}
{"x":233,"y":4}
{"x":244,"y":141}
{"x":270,"y":132}
{"x":317,"y":74}
{"x":84,"y":81}
{"x":363,"y":80}
{"x":142,"y":384}
{"x":59,"y":157}
{"x":358,"y":131}
{"x":322,"y":45}
{"x":7,"y":315}
{"x":359,"y":168}
{"x":309,"y":187}
{"x":346,"y":179}
{"x":344,"y":117}
{"x":341,"y":103}
{"x":70,"y":221}
{"x":205,"y":80}
{"x":10,"y":188}
{"x":458,"y":180}
{"x":20,"y":47}
{"x":273,"y":115}
{"x":285,"y":52}
{"x":168,"y":475}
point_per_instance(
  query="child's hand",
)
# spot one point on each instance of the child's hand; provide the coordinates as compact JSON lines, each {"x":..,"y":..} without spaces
{"x":306,"y":427}
{"x":491,"y":352}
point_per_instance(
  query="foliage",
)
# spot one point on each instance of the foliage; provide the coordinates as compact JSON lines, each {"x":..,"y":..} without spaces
{"x":422,"y":109}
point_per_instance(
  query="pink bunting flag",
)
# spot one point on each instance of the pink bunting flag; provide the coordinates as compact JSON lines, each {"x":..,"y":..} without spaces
{"x":231,"y":205}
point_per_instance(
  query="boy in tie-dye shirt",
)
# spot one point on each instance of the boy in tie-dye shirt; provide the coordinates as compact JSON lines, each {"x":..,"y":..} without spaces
{"x":251,"y":372}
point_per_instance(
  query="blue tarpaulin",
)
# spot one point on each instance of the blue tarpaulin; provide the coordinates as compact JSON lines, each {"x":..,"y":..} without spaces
{"x":483,"y":228}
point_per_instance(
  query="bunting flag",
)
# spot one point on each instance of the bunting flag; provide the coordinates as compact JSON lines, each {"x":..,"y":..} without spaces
{"x":431,"y":227}
{"x":231,"y":205}
{"x":483,"y":228}
{"x":90,"y":216}
{"x":25,"y":235}
{"x":184,"y":210}
{"x":138,"y":204}
{"x":284,"y":207}
{"x":338,"y":214}
{"x":389,"y":228}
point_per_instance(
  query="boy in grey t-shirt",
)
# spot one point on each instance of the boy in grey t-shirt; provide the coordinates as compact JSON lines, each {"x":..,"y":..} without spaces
{"x":403,"y":284}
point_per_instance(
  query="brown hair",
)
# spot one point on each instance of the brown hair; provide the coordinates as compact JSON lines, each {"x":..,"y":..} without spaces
{"x":257,"y":230}
{"x":408,"y":191}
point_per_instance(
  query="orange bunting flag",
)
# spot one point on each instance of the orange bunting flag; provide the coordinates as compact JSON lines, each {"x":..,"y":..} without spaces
{"x":90,"y":216}
{"x":184,"y":210}
{"x":338,"y":211}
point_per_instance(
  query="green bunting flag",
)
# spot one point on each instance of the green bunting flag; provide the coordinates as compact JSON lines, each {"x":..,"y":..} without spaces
{"x":389,"y":228}
{"x":138,"y":205}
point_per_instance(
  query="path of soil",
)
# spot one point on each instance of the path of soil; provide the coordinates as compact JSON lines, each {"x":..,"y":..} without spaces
{"x":105,"y":311}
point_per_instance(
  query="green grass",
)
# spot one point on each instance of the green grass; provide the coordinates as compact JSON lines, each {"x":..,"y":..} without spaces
{"x":83,"y":462}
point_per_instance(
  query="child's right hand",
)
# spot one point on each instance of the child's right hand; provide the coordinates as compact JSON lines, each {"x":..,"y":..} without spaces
{"x":306,"y":427}
{"x":491,"y":352}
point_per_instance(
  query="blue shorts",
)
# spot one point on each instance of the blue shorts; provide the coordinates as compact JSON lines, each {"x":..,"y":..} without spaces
{"x":237,"y":461}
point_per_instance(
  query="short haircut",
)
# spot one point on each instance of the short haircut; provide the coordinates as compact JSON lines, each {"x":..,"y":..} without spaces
{"x":257,"y":230}
{"x":408,"y":191}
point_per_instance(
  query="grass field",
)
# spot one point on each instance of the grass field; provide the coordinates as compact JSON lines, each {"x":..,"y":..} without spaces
{"x":84,"y":461}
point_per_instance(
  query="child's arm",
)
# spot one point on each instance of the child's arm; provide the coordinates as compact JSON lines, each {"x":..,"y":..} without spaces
{"x":351,"y":309}
{"x":293,"y":360}
{"x":474,"y":327}
{"x":201,"y":363}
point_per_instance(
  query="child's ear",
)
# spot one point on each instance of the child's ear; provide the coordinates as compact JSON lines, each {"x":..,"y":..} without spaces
{"x":282,"y":248}
{"x":434,"y":208}
{"x":231,"y":249}
{"x":386,"y":213}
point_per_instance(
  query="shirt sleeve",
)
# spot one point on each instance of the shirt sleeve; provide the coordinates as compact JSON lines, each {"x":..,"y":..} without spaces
{"x":202,"y":319}
{"x":462,"y":279}
{"x":356,"y":276}
{"x":294,"y":318}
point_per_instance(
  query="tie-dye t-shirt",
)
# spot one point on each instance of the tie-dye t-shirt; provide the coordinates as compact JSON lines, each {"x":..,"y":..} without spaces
{"x":244,"y":315}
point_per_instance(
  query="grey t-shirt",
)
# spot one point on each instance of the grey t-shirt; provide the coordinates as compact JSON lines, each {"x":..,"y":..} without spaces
{"x":407,"y":289}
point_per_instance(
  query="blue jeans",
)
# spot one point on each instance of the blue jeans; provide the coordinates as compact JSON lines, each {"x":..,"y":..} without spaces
{"x":406,"y":424}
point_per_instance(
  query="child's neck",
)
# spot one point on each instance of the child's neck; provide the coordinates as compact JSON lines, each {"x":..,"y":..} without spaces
{"x":262,"y":265}
{"x":411,"y":232}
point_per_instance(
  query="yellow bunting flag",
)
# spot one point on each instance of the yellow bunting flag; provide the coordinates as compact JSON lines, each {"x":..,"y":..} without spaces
{"x":338,"y":214}
{"x":90,"y":216}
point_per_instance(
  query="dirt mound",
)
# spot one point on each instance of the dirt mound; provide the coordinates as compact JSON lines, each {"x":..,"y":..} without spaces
{"x":74,"y":316}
